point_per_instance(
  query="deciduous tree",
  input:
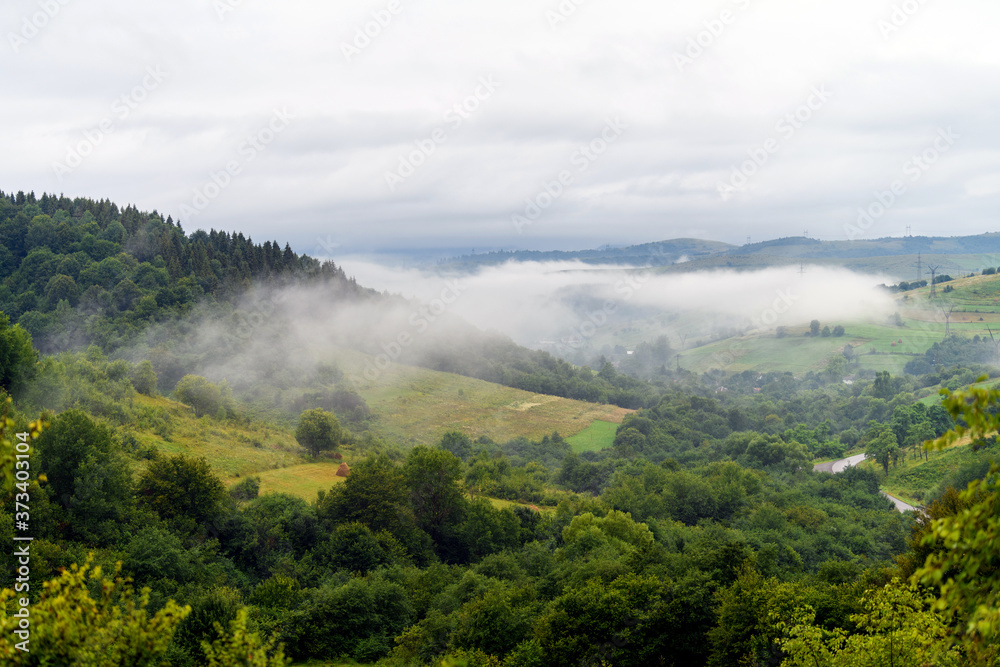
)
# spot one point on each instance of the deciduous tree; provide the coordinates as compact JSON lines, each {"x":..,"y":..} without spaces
{"x":318,"y":431}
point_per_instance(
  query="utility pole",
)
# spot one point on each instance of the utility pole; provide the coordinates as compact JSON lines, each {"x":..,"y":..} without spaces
{"x":996,"y":348}
{"x":947,"y":321}
{"x":920,"y":272}
{"x":933,"y":269}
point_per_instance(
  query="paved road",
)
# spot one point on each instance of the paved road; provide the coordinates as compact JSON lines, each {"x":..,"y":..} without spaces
{"x":839,"y":466}
{"x":844,"y":464}
{"x":900,"y":505}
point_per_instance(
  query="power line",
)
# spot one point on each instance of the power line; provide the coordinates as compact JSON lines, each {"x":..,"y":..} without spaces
{"x":933,"y":269}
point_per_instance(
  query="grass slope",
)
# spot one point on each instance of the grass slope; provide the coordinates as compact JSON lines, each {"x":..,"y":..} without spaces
{"x":302,"y":480}
{"x":599,"y":435}
{"x":411,"y":406}
{"x":418,"y":406}
{"x":915,"y":478}
{"x":232,"y":450}
{"x":972,"y":308}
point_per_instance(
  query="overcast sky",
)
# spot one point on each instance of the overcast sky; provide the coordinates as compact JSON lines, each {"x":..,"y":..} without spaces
{"x":650,"y":113}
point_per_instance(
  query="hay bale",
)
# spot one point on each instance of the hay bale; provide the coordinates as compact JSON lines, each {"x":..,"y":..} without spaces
{"x":344,"y":470}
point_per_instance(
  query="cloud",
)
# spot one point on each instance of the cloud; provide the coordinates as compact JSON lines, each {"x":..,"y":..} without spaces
{"x":560,"y":82}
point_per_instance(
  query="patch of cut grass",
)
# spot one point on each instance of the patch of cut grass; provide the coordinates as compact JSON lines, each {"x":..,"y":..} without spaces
{"x":599,"y":435}
{"x":302,"y":480}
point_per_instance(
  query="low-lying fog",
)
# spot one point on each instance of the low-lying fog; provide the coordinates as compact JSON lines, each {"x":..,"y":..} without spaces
{"x":276,"y":338}
{"x":538,"y":302}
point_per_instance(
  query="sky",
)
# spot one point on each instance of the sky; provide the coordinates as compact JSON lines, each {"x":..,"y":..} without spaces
{"x":398,"y":126}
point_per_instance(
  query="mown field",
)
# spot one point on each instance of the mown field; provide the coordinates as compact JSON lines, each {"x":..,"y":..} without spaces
{"x":418,"y":406}
{"x":599,"y":435}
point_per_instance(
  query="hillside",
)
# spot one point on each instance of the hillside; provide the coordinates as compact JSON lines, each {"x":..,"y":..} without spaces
{"x":80,"y":272}
{"x":470,"y":530}
{"x":417,"y":406}
{"x":646,"y":254}
{"x":893,"y":255}
{"x":918,"y":480}
{"x":969,"y":309}
{"x":409,"y":406}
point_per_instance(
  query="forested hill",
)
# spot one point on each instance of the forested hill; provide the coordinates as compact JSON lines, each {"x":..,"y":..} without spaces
{"x":63,"y":260}
{"x":80,"y":272}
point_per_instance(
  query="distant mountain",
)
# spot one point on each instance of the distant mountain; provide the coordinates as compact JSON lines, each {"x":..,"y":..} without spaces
{"x":693,"y":254}
{"x":806,"y":248}
{"x":659,"y":253}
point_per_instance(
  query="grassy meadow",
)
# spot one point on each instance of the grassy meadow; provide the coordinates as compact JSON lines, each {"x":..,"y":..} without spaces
{"x":599,"y":435}
{"x":410,"y":405}
{"x":417,"y":406}
{"x":971,"y":308}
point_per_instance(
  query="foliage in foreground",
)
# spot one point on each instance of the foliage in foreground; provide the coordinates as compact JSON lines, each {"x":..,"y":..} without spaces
{"x":84,"y":618}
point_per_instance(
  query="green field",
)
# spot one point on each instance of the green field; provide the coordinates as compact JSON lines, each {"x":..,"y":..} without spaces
{"x":417,"y":406}
{"x":410,"y":406}
{"x":972,"y":308}
{"x":599,"y":435}
{"x":232,"y":450}
{"x":302,"y":480}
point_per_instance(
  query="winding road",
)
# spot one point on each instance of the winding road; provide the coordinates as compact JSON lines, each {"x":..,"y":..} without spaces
{"x":843,"y":464}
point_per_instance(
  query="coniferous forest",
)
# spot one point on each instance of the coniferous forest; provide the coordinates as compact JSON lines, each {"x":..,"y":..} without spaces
{"x":700,"y":536}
